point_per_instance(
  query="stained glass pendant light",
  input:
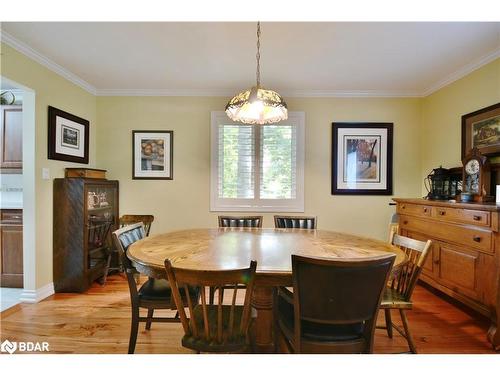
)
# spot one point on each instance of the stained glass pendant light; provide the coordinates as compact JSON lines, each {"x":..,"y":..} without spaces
{"x":257,"y":105}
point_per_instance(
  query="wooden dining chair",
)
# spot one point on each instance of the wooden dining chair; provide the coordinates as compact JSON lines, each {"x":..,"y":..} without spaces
{"x":334,"y":304}
{"x":125,"y":220}
{"x":216,"y":327}
{"x":397,"y":295}
{"x":240,"y":221}
{"x":302,"y":222}
{"x":146,"y":220}
{"x":153,"y":294}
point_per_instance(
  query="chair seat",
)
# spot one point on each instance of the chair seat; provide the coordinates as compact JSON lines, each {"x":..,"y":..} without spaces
{"x":155,"y":289}
{"x":316,"y":331}
{"x":392,"y":299}
{"x":159,"y":290}
{"x":233,"y":344}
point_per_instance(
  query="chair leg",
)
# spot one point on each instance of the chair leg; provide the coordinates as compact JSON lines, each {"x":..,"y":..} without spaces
{"x":409,"y":338}
{"x":134,"y":328}
{"x":106,"y":270}
{"x":388,"y":322}
{"x":149,"y":319}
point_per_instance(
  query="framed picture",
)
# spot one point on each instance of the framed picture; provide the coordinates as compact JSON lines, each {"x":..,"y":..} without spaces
{"x":362,"y":158}
{"x":152,"y":154}
{"x":481,"y":129}
{"x":68,"y":137}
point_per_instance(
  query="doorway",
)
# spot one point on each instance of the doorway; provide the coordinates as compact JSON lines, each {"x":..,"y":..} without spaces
{"x":17,"y":194}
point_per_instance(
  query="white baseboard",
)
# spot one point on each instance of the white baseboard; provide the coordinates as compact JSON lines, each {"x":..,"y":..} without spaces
{"x":34,"y":296}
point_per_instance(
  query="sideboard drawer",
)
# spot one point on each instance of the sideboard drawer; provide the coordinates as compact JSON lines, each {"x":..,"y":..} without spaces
{"x":459,"y":215}
{"x":414,"y":209}
{"x":480,"y":239}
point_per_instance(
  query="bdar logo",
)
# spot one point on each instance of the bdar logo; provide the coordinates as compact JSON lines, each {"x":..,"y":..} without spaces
{"x":9,"y":347}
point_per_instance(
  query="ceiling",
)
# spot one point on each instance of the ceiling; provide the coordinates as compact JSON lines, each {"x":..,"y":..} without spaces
{"x":302,"y":58}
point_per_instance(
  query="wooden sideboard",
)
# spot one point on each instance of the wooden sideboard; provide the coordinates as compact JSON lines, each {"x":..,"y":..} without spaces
{"x":465,"y":259}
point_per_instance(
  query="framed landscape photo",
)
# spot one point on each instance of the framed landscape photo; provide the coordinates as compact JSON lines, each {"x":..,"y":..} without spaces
{"x":152,"y":154}
{"x":362,"y":158}
{"x":68,"y":137}
{"x":481,"y":129}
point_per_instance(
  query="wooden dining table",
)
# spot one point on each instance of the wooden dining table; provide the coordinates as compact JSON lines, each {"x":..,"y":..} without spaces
{"x":232,"y":248}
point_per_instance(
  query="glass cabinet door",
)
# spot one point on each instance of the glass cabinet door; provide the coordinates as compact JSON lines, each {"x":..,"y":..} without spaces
{"x":100,"y":215}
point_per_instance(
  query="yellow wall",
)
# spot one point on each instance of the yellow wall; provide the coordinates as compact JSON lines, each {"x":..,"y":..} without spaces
{"x":184,"y":202}
{"x":50,"y":89}
{"x":442,"y":114}
{"x":426,"y":134}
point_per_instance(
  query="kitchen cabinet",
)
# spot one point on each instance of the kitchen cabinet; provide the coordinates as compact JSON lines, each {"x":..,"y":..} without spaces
{"x":11,"y":251}
{"x":11,"y":137}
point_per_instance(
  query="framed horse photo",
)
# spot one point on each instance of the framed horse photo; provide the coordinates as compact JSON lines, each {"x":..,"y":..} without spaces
{"x":362,"y":158}
{"x":481,"y":129}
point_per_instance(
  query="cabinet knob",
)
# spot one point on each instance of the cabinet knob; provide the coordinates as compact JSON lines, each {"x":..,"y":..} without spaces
{"x":405,"y":222}
{"x":403,"y":206}
{"x":442,"y":213}
{"x":477,"y":217}
{"x":476,"y":238}
{"x":425,"y":209}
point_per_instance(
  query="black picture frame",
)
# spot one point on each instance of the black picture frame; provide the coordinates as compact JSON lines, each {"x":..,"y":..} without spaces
{"x":65,"y":139}
{"x":468,"y":122}
{"x":168,"y":155}
{"x":339,"y":188}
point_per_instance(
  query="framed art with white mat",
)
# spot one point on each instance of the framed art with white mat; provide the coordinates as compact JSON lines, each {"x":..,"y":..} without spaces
{"x":362,"y":158}
{"x":68,"y":137}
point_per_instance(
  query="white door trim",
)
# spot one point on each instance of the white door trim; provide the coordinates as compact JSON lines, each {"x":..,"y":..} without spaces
{"x":29,"y":188}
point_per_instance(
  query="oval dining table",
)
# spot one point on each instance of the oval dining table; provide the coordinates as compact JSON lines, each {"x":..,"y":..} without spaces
{"x":232,"y":248}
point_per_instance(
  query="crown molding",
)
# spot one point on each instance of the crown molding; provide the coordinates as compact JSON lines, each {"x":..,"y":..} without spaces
{"x":45,"y":61}
{"x":462,"y":72}
{"x":348,"y":93}
{"x":166,"y":92}
{"x":58,"y":69}
{"x":231,"y":92}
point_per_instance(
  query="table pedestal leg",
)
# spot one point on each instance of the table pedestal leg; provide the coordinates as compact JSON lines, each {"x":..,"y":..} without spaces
{"x":262,"y":301}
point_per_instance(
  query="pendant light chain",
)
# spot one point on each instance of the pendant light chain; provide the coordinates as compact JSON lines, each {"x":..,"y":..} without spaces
{"x":258,"y":54}
{"x":257,"y":105}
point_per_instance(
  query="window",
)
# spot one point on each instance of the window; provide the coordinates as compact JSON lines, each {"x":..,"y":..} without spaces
{"x":257,"y":167}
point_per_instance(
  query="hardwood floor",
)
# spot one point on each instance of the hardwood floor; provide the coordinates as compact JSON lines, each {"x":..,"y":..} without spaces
{"x":98,"y":321}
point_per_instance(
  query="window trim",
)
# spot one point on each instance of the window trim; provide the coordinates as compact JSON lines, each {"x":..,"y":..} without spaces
{"x":257,"y":205}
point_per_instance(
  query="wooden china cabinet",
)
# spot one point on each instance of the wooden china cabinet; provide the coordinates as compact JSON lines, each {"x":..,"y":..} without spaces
{"x":85,"y":214}
{"x":464,"y":262}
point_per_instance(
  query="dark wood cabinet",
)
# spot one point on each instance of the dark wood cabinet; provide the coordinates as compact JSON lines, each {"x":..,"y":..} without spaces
{"x":465,"y":258}
{"x":11,"y":248}
{"x":11,"y":137}
{"x":85,"y":214}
